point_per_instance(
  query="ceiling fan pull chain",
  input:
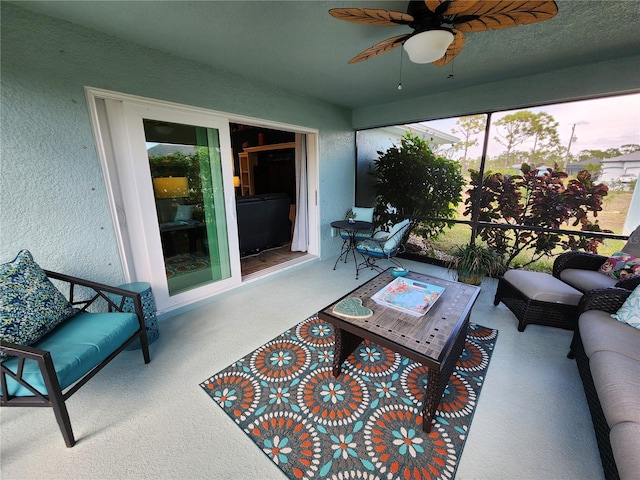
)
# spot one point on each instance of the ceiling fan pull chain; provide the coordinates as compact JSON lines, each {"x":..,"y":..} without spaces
{"x":400,"y":83}
{"x":451,"y":75}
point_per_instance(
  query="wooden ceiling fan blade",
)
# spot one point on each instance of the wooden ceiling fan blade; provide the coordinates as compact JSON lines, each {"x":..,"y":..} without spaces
{"x":371,"y":16}
{"x":380,"y":48}
{"x":496,"y":15}
{"x":453,"y":7}
{"x":454,"y":49}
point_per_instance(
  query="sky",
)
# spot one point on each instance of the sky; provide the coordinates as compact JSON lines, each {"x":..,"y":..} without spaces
{"x":599,"y":124}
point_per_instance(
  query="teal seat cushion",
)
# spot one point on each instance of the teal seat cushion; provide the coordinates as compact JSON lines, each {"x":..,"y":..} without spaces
{"x":76,"y":346}
{"x":373,"y":248}
{"x":384,"y":244}
{"x":30,"y":305}
{"x":359,"y":235}
{"x":363,"y":234}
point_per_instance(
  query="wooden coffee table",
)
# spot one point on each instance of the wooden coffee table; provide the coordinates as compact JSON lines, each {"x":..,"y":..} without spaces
{"x":436,"y":339}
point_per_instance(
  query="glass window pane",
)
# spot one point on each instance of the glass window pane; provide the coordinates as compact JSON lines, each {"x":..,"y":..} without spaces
{"x":459,"y":139}
{"x":600,"y":137}
{"x":186,"y":170}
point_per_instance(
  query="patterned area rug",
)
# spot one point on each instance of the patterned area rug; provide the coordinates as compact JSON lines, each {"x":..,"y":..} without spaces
{"x":365,"y":424}
{"x":185,"y":263}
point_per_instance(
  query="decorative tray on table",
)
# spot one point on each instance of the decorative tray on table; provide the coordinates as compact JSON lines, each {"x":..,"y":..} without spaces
{"x":409,"y":296}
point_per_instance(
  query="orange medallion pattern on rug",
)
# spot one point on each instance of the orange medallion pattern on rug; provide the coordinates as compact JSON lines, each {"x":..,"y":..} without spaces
{"x":365,"y":424}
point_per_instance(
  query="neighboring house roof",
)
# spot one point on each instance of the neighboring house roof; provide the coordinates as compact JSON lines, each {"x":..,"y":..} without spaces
{"x":612,"y":167}
{"x":579,"y":166}
{"x":433,"y":135}
{"x":429,"y":134}
{"x":628,"y":157}
{"x":621,"y":166}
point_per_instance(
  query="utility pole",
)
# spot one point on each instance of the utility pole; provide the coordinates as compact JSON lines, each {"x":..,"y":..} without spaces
{"x":572,"y":139}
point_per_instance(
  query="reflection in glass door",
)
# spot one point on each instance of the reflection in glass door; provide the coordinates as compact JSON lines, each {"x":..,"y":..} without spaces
{"x":186,"y":172}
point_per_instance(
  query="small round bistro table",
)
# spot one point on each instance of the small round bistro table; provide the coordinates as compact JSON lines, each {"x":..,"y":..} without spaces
{"x":349,"y":245}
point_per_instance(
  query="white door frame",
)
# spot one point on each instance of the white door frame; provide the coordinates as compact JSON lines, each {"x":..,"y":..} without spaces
{"x":134,"y":229}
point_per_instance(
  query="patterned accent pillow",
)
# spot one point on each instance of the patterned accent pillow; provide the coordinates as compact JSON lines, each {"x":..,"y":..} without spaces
{"x":621,"y":265}
{"x":629,"y":312}
{"x":30,"y":305}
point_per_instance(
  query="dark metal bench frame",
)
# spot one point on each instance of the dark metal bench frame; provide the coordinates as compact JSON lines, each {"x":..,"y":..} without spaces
{"x":78,"y":289}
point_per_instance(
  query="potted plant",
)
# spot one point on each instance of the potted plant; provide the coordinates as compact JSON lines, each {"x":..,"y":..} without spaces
{"x":473,"y":261}
{"x":351,"y":217}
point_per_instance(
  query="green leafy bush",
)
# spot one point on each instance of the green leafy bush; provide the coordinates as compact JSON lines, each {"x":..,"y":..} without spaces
{"x":412,"y":182}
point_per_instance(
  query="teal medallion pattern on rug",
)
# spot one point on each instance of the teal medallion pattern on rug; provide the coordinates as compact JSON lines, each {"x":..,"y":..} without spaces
{"x":365,"y":424}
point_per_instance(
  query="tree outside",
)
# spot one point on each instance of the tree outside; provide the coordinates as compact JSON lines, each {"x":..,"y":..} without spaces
{"x":537,"y":139}
{"x":411,"y":181}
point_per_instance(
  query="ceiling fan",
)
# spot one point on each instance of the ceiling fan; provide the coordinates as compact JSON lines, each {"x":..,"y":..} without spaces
{"x":438,"y":25}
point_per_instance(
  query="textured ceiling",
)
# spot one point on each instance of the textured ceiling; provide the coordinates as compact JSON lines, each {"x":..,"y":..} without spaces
{"x":298,"y":46}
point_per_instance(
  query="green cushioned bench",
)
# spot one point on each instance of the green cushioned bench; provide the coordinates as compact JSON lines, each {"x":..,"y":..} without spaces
{"x":51,"y":344}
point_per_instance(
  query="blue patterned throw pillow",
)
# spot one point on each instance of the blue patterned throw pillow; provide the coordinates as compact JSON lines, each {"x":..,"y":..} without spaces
{"x":630,"y":310}
{"x":30,"y":305}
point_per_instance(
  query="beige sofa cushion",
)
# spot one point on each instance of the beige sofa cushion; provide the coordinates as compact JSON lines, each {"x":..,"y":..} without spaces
{"x":617,"y":381}
{"x":543,"y":287}
{"x":625,"y":443}
{"x":600,"y":332}
{"x":586,"y":280}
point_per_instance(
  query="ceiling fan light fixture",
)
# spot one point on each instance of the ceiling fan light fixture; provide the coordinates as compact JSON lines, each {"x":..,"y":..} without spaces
{"x":428,"y":46}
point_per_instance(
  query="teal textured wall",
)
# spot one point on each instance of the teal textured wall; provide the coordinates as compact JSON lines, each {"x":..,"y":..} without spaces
{"x":52,"y":195}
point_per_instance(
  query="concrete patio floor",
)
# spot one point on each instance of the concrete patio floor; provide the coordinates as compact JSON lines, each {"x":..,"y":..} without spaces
{"x":136,"y":421}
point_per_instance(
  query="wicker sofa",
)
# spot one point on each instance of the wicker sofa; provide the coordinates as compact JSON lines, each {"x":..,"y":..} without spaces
{"x":581,"y":269}
{"x":607,"y":353}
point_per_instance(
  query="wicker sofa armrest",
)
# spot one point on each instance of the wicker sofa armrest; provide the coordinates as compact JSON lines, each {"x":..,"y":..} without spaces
{"x":606,"y":299}
{"x":629,"y":283}
{"x":577,"y":259}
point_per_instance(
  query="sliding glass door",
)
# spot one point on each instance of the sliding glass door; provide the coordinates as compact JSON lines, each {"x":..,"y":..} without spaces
{"x":186,"y":171}
{"x":175,"y":173}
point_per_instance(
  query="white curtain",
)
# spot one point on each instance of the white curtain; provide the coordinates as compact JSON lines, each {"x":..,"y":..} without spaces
{"x":300,"y":241}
